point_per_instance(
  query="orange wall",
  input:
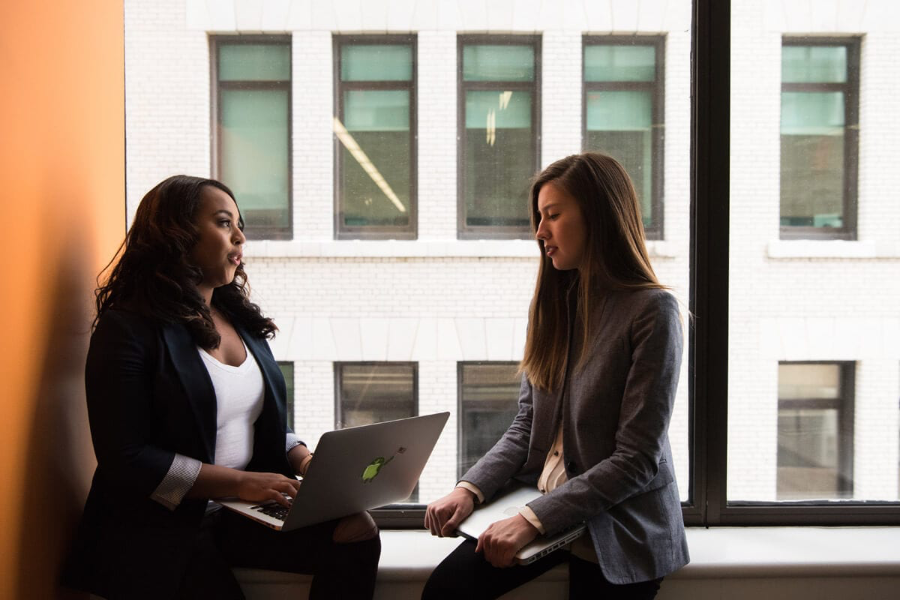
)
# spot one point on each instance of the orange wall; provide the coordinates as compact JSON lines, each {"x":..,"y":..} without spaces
{"x":62,"y":215}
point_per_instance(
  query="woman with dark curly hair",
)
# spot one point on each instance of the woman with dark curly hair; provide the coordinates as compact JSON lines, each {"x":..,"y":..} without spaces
{"x":186,"y":404}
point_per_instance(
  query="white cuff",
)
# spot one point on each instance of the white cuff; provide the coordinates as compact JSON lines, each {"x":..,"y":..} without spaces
{"x":178,"y":481}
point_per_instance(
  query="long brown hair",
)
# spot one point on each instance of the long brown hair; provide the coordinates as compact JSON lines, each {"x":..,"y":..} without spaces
{"x":615,"y":259}
{"x":154,"y":277}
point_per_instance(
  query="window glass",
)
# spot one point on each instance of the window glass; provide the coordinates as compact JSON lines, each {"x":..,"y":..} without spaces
{"x":287,"y":371}
{"x":815,"y":441}
{"x":818,"y":150}
{"x":495,"y":62}
{"x":498,"y":137}
{"x":488,"y":403}
{"x":253,"y":134}
{"x":254,"y":62}
{"x":607,"y":62}
{"x":371,"y":393}
{"x":812,"y":386}
{"x":376,"y":62}
{"x":623,"y":115}
{"x":376,"y":148}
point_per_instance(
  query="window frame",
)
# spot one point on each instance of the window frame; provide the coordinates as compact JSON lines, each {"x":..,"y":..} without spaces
{"x":708,"y":322}
{"x":850,"y":90}
{"x":845,"y":405}
{"x":656,"y":229}
{"x":376,"y":232}
{"x":215,"y":43}
{"x":463,"y":231}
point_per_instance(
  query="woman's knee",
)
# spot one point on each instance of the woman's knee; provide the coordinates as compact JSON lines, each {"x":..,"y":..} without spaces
{"x":355,"y":528}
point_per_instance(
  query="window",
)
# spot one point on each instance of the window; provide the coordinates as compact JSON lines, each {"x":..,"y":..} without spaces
{"x":287,"y":371}
{"x":375,"y":132}
{"x":499,"y":133}
{"x":374,"y":392}
{"x":819,"y":138}
{"x":252,"y":129}
{"x":815,"y":431}
{"x":488,"y":403}
{"x":623,"y":113}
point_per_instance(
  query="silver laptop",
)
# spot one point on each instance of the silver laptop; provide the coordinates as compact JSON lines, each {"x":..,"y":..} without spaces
{"x":354,"y":469}
{"x":506,"y":505}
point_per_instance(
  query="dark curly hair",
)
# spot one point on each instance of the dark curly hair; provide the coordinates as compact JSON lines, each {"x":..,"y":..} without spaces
{"x":154,"y":277}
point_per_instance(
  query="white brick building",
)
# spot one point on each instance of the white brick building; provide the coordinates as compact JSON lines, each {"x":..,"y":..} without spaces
{"x":438,"y":300}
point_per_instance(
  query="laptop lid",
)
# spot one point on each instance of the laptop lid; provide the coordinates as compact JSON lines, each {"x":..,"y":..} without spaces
{"x":506,"y":505}
{"x":356,"y":469}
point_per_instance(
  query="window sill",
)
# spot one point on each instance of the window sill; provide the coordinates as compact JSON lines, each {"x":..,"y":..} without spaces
{"x":832,"y":249}
{"x":412,"y":249}
{"x":791,"y":554}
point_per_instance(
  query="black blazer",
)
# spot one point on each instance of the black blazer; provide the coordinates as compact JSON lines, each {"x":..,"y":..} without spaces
{"x":149,"y":397}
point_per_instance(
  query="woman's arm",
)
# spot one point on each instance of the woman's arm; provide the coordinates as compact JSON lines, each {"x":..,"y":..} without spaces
{"x":215,"y":481}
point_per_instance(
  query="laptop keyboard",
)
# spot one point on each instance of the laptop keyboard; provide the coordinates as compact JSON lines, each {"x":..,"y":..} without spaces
{"x":274,"y":510}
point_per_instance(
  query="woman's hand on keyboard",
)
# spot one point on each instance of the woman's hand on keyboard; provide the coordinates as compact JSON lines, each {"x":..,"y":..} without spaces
{"x":263,"y":487}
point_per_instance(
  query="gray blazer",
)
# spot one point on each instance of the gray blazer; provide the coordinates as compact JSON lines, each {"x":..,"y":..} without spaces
{"x":615,"y":414}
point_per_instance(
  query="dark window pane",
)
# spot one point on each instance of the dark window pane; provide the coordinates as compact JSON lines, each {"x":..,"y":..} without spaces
{"x":253,"y":142}
{"x":371,"y":393}
{"x":499,"y":158}
{"x":488,"y":405}
{"x":287,"y":371}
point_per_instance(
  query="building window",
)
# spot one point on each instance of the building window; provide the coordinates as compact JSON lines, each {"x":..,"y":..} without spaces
{"x":287,"y":371}
{"x":623,"y":113}
{"x":819,"y":138}
{"x":815,"y":431}
{"x":375,"y":133}
{"x":372,"y":392}
{"x":499,"y":133}
{"x":488,"y":403}
{"x":252,"y":129}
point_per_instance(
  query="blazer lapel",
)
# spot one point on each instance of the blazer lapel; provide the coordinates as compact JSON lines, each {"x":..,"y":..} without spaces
{"x":196,"y":382}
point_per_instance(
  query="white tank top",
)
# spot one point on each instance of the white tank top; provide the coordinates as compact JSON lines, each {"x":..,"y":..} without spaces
{"x":239,"y":402}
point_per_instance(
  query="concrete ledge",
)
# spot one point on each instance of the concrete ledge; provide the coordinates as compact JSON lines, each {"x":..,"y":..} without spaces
{"x":771,"y":562}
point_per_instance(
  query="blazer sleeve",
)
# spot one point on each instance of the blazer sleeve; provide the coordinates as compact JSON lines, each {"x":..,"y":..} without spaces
{"x":118,"y":382}
{"x":509,"y":454}
{"x":641,"y":433}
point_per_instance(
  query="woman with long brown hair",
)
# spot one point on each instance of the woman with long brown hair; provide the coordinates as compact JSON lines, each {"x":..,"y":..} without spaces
{"x":187,"y":404}
{"x":600,"y":372}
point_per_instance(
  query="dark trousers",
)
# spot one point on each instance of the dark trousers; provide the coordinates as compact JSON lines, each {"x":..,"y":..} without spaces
{"x":465,"y":574}
{"x":228,"y":540}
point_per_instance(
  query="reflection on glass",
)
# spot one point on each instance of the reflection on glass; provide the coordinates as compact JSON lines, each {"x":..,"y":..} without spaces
{"x":375,"y":392}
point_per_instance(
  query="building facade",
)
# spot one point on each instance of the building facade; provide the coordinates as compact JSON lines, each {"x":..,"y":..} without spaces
{"x":380,"y":152}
